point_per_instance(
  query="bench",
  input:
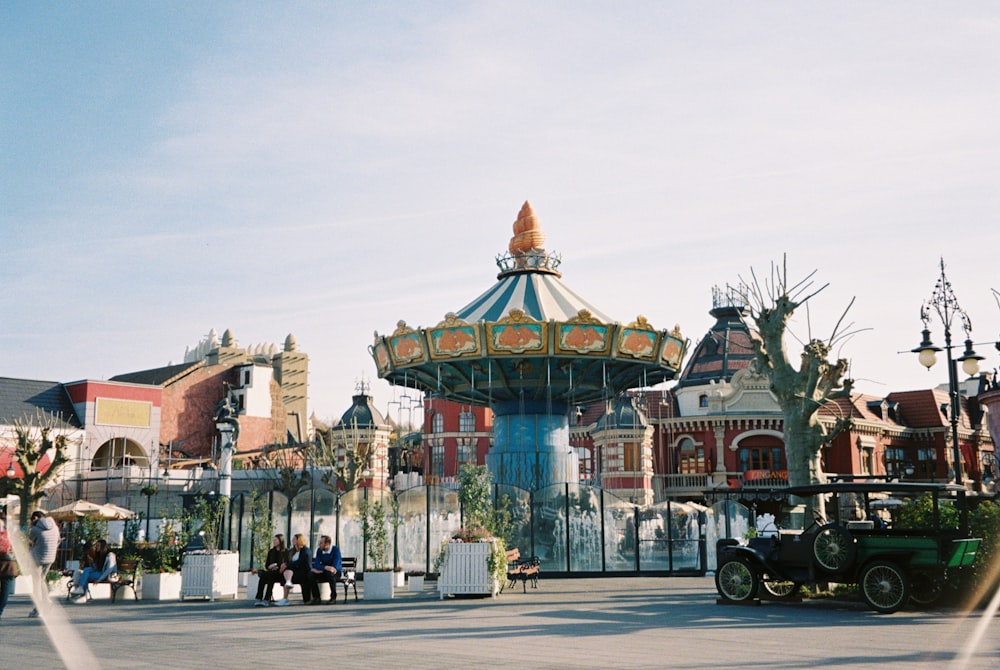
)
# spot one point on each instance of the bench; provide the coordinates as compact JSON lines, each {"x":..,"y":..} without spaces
{"x":348,"y":568}
{"x":523,"y":569}
{"x":125,"y":577}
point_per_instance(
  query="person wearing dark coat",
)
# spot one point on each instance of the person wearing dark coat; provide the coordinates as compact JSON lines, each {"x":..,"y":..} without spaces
{"x":271,"y":573}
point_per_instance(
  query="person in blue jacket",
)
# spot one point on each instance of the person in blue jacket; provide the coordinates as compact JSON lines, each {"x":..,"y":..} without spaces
{"x":326,"y":567}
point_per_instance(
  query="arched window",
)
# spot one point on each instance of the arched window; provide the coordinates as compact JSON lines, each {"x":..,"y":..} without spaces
{"x":690,"y":457}
{"x":438,"y":423}
{"x":703,"y":400}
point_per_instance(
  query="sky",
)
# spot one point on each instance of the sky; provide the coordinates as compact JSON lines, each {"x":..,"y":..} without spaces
{"x":327,"y":169}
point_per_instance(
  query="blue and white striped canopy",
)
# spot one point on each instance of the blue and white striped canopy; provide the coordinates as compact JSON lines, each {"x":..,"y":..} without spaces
{"x":539,"y":295}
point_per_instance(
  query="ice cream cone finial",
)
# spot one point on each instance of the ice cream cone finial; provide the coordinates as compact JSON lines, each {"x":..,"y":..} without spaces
{"x":528,"y":233}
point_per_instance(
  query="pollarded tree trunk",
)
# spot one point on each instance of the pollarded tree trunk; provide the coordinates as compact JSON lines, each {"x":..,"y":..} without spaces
{"x":800,"y":391}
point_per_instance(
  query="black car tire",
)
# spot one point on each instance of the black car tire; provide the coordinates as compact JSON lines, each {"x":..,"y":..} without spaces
{"x":926,"y":588}
{"x":781,"y":590}
{"x":834,"y":548}
{"x":884,"y":586}
{"x":736,"y":580}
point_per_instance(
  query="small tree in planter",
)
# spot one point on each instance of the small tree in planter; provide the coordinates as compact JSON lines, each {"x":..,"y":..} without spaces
{"x":210,"y":572}
{"x":378,"y":576}
{"x":482,"y":524}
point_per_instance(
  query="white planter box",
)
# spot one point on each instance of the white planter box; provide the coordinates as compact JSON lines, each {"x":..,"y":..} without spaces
{"x":161,"y":586}
{"x":398,"y":579}
{"x":210,"y":575}
{"x":416,"y":583}
{"x":378,"y":585}
{"x":466,"y":569}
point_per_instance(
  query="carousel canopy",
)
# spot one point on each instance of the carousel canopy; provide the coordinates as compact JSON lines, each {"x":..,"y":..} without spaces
{"x":529,"y":338}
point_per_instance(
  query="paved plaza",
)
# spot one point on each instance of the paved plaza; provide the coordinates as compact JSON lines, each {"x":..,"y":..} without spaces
{"x":567,"y":623}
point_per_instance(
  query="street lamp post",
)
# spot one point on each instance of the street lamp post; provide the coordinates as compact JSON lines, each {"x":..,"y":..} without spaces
{"x":946,"y":305}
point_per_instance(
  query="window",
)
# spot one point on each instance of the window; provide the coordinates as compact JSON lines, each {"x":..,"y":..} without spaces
{"x":703,"y":400}
{"x":926,"y":464}
{"x":762,"y":458}
{"x":466,"y":453}
{"x":438,"y":423}
{"x":895,"y":460}
{"x":631,"y":457}
{"x":437,"y":458}
{"x":467,"y":422}
{"x":690,"y":457}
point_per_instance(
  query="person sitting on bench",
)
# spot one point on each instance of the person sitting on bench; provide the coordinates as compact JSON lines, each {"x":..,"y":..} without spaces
{"x":326,"y":567}
{"x":104,"y":565}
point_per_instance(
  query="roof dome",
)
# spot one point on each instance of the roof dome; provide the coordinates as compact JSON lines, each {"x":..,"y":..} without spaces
{"x":622,"y":413}
{"x":727,"y":348}
{"x":362,"y":414}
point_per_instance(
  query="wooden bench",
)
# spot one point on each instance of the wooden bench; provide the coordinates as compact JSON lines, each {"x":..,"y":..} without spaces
{"x":523,"y":569}
{"x":125,"y":577}
{"x":348,"y":568}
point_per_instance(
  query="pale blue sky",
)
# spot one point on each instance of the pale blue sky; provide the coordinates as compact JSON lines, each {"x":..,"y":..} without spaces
{"x":327,"y":169}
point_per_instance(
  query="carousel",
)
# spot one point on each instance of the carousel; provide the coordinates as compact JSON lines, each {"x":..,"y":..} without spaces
{"x":533,"y":351}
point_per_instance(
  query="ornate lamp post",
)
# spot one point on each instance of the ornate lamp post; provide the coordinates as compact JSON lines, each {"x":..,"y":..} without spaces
{"x":948,"y":310}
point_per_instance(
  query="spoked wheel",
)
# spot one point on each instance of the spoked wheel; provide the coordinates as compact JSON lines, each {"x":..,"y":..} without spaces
{"x":924,"y":588}
{"x":736,"y":580}
{"x":834,"y":548}
{"x":780,"y":589}
{"x":884,"y":587}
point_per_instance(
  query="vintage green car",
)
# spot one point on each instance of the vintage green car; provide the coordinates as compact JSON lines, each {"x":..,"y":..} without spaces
{"x":867,"y":537}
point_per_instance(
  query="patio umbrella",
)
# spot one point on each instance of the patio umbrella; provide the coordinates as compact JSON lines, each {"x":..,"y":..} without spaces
{"x":85,"y":509}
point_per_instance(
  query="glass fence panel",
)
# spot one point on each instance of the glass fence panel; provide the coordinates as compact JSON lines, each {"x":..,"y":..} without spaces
{"x":518,"y":502}
{"x":619,"y":534}
{"x":550,"y":523}
{"x":411,"y":537}
{"x":349,"y":537}
{"x":445,"y":518}
{"x":585,"y":529}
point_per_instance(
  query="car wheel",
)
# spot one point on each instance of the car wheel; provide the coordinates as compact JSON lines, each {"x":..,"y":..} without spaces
{"x":924,"y":588}
{"x":884,"y":587}
{"x":736,"y":580}
{"x":834,"y":548}
{"x":780,"y":589}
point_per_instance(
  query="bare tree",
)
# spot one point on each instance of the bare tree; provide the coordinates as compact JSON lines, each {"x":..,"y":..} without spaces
{"x":342,"y":471}
{"x":35,"y":438}
{"x":800,"y":391}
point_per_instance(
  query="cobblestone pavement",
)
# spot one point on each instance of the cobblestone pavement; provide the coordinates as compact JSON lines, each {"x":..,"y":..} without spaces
{"x":629,"y":622}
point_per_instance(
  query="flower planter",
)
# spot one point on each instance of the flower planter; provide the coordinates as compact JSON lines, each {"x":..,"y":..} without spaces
{"x":210,"y":576}
{"x":161,"y":586}
{"x":416,"y":583}
{"x":466,"y":570}
{"x":398,"y":579}
{"x":378,"y":585}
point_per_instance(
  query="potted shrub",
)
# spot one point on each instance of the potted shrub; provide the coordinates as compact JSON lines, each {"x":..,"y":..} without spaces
{"x":474,"y":561}
{"x":378,"y":577}
{"x":161,"y":560}
{"x":210,"y":572}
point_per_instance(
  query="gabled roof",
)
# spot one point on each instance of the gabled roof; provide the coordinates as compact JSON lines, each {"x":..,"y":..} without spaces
{"x":922,"y":409}
{"x":159,"y":376}
{"x":26,"y":398}
{"x":858,"y":406}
